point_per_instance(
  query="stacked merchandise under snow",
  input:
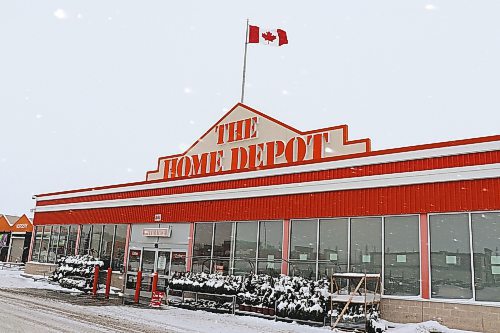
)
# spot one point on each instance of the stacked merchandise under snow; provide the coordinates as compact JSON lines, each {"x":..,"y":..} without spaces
{"x":293,"y":297}
{"x":76,"y":272}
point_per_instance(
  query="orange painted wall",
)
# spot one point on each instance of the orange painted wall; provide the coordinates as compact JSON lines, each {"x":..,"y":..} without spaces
{"x":22,"y":225}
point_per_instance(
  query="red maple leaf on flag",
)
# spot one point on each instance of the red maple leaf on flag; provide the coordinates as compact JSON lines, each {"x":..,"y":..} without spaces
{"x":268,"y":36}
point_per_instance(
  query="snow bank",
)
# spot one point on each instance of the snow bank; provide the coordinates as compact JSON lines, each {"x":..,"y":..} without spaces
{"x":12,"y":279}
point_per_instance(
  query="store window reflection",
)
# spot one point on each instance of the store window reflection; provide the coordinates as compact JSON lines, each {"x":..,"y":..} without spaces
{"x":303,"y":246}
{"x":245,"y":248}
{"x":402,"y":256}
{"x":270,"y":247}
{"x":486,"y":246}
{"x":451,"y":275}
{"x":366,"y":245}
{"x":333,"y":254}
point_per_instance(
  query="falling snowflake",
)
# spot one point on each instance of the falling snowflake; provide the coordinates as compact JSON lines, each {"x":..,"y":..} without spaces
{"x":187,"y":90}
{"x":430,"y":7}
{"x":191,"y":122}
{"x":328,"y":150}
{"x":61,"y":14}
{"x":38,"y":116}
{"x":285,"y":92}
{"x":129,"y":170}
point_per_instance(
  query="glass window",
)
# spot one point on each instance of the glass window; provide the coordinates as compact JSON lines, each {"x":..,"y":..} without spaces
{"x":486,"y":246}
{"x":243,"y":266}
{"x":402,"y":256}
{"x":119,"y":247}
{"x":202,"y":239}
{"x":222,"y":239}
{"x":246,"y":240}
{"x":220,"y":266}
{"x":304,"y":269}
{"x":148,"y":261}
{"x":270,"y":247}
{"x":35,"y":254}
{"x":270,"y":240}
{"x":83,"y":247}
{"x":134,"y":260}
{"x":178,"y":262}
{"x":366,"y":245}
{"x":44,"y":250}
{"x":450,"y":256}
{"x":245,"y":248}
{"x":201,"y":264}
{"x":63,"y":240}
{"x":333,"y":236}
{"x":96,"y":240}
{"x":54,"y":239}
{"x":303,"y":241}
{"x":163,"y":263}
{"x":73,"y":232}
{"x":107,"y":245}
{"x":272,"y":268}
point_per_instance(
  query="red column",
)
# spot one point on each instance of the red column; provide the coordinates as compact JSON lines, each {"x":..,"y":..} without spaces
{"x":155,"y":282}
{"x":138,"y":287}
{"x":424,"y":256}
{"x":286,"y":243}
{"x":108,"y":281}
{"x":96,"y":280}
{"x":189,"y":260}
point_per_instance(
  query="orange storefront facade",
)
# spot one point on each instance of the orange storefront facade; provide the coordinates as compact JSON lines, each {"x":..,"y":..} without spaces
{"x":15,"y":238}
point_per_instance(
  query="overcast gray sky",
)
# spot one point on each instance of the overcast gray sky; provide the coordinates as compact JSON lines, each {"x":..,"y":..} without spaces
{"x":93,"y":92}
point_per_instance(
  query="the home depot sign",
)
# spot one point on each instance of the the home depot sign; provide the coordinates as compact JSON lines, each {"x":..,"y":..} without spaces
{"x":249,"y":156}
{"x":247,"y":140}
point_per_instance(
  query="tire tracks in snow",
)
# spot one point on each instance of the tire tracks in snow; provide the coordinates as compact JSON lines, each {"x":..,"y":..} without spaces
{"x":95,"y":322}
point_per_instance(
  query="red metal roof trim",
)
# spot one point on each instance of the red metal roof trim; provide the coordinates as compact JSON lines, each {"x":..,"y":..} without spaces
{"x":472,"y":195}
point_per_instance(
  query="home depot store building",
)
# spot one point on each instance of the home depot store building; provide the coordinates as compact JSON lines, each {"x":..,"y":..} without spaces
{"x":254,"y":194}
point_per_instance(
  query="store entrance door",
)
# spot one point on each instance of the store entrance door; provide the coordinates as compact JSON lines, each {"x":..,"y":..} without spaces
{"x":165,"y":262}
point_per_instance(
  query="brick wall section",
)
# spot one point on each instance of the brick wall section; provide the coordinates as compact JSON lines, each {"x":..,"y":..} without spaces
{"x":35,"y":268}
{"x":460,"y":316}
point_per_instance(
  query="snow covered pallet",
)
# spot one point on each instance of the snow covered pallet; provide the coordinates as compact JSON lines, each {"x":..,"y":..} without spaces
{"x":355,"y":300}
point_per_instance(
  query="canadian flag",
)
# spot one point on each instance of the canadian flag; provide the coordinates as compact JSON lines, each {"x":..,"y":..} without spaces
{"x":276,"y":37}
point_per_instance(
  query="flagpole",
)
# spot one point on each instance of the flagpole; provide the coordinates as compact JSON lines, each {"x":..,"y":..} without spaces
{"x":244,"y":65}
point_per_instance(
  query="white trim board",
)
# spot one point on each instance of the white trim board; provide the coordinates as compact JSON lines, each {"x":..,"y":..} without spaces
{"x":386,"y":180}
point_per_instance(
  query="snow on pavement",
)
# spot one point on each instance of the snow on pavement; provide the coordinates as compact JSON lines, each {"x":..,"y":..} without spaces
{"x":23,"y":313}
{"x":12,"y":279}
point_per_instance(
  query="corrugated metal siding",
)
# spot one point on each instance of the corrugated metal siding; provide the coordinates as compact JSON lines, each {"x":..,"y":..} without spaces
{"x":360,"y":171}
{"x":472,"y":195}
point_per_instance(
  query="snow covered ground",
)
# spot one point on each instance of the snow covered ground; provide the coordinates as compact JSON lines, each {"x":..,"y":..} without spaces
{"x":22,"y":311}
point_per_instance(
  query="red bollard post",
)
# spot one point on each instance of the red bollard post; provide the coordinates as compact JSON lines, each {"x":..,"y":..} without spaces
{"x":138,"y":287}
{"x":96,"y":280}
{"x":108,"y":282}
{"x":155,"y":282}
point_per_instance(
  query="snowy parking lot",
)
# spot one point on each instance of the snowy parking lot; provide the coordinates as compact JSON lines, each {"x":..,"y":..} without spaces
{"x":29,"y":306}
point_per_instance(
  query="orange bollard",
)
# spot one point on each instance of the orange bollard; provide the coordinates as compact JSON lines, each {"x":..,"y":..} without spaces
{"x":155,"y":282}
{"x":108,"y":282}
{"x":96,"y":280}
{"x":138,"y":287}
